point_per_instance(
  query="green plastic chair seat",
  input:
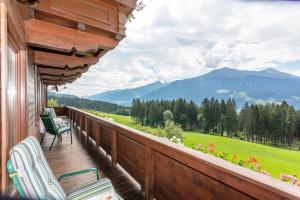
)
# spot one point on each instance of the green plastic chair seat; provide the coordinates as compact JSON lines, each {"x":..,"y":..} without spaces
{"x":54,"y":129}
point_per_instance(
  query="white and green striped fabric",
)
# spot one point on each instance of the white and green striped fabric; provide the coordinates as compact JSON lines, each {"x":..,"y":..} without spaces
{"x":38,"y":181}
{"x":101,"y":189}
{"x":51,"y":111}
{"x":35,"y":175}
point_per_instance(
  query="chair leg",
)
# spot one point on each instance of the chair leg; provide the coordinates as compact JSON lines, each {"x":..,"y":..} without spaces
{"x":43,"y":138}
{"x":52,"y":143}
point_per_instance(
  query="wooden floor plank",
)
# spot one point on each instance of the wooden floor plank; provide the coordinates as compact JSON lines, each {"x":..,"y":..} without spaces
{"x":82,"y":154}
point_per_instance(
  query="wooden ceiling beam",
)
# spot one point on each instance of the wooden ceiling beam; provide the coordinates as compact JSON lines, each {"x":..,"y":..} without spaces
{"x":59,"y":82}
{"x":62,"y":61}
{"x":55,"y":37}
{"x":61,"y":72}
{"x":51,"y":77}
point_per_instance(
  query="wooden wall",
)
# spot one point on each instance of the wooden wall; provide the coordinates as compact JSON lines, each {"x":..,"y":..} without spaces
{"x":22,"y":94}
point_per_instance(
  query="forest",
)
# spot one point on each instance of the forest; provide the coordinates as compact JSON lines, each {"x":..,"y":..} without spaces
{"x":81,"y":103}
{"x":262,"y":123}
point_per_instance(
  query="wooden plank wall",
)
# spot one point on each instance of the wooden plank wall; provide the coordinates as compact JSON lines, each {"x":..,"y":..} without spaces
{"x":27,"y":87}
{"x":169,"y":171}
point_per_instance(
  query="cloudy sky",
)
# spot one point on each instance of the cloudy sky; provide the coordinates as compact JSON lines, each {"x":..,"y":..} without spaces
{"x":176,"y":39}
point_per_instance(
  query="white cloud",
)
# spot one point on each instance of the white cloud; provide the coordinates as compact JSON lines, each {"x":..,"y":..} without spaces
{"x":175,"y":39}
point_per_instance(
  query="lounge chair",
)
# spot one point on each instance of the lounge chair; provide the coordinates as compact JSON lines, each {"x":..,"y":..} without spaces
{"x":57,"y":120}
{"x":54,"y":129}
{"x":33,"y":178}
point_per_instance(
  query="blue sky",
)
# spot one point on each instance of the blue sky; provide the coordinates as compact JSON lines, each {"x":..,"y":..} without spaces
{"x":176,"y":39}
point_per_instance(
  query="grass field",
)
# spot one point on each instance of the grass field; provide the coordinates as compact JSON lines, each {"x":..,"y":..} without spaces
{"x":274,"y":160}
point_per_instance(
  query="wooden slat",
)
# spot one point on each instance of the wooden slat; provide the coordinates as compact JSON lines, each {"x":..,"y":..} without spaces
{"x":114,"y":150}
{"x":62,"y":61}
{"x":60,"y":82}
{"x":100,"y":14}
{"x":51,"y":36}
{"x":61,"y":72}
{"x":57,"y":78}
{"x":129,"y":3}
{"x":106,"y":139}
{"x":132,"y":164}
{"x":149,"y":173}
{"x":98,"y":134}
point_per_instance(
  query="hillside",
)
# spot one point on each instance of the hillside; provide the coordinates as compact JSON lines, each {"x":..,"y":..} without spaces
{"x":272,"y":159}
{"x":81,"y":103}
{"x":124,"y":97}
{"x":56,"y":94}
{"x":267,"y":85}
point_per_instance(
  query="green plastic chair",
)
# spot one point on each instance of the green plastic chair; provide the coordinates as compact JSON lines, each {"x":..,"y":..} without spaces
{"x":33,"y":178}
{"x":53,"y":129}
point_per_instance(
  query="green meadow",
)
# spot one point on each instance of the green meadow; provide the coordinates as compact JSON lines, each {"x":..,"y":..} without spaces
{"x":274,"y":160}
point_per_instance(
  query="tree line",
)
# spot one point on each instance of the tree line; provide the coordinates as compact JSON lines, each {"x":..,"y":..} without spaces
{"x":262,"y":123}
{"x":81,"y":103}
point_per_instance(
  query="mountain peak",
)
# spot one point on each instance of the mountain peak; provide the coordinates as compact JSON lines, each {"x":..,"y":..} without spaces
{"x":271,"y":70}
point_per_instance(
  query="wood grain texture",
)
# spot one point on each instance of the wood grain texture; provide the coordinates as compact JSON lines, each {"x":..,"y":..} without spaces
{"x":62,"y":61}
{"x":106,"y":139}
{"x":61,"y":72}
{"x":51,"y":36}
{"x":98,"y":134}
{"x":134,"y":165}
{"x":114,"y":149}
{"x":149,"y":173}
{"x":100,"y":14}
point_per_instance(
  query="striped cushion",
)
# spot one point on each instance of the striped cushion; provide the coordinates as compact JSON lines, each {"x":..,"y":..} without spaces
{"x":35,"y":175}
{"x":94,"y":191}
{"x":63,"y":129}
{"x":51,"y":111}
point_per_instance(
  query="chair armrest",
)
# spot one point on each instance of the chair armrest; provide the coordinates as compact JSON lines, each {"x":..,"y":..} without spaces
{"x":80,"y":172}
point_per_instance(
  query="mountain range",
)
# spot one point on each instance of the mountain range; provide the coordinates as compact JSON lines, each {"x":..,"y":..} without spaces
{"x":268,"y":85}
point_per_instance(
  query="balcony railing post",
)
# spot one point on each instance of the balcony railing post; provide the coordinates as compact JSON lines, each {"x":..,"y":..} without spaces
{"x":149,"y":173}
{"x":73,"y":117}
{"x":86,"y":127}
{"x":81,"y":123}
{"x":97,"y":134}
{"x":114,"y":150}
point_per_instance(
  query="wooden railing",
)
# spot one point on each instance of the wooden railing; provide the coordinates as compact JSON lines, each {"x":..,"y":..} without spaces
{"x":169,"y":171}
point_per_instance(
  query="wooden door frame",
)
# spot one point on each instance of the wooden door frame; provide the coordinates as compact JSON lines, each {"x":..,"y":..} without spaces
{"x":11,"y":34}
{"x":4,"y":135}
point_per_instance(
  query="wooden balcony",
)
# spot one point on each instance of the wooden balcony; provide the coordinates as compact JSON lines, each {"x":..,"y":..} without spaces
{"x":162,"y":170}
{"x":82,"y":154}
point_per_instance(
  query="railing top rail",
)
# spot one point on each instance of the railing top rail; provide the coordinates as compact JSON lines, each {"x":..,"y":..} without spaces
{"x":224,"y":171}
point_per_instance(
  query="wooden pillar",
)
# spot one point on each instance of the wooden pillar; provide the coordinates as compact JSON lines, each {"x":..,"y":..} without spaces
{"x":86,"y":127}
{"x":149,"y":173}
{"x":98,"y":134}
{"x":4,"y":122}
{"x":72,"y":116}
{"x":114,"y":150}
{"x":80,"y":122}
{"x":76,"y":118}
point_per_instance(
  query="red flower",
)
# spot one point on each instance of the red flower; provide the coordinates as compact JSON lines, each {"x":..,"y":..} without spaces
{"x":253,"y":160}
{"x":211,"y":145}
{"x":211,"y":150}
